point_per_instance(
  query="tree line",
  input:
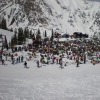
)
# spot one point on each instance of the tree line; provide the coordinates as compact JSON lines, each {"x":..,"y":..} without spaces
{"x":20,"y":36}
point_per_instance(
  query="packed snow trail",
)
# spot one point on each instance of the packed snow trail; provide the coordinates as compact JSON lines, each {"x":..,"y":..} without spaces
{"x":49,"y":82}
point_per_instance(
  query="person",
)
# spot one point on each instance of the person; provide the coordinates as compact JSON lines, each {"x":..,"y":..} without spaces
{"x":57,"y":60}
{"x":65,"y":63}
{"x":25,"y":64}
{"x":12,"y":58}
{"x":77,"y":61}
{"x":53,"y":58}
{"x":61,"y":63}
{"x":13,"y":61}
{"x":19,"y":59}
{"x":3,"y":62}
{"x":37,"y":63}
{"x":84,"y":59}
{"x":6,"y":57}
{"x":22,"y":59}
{"x":94,"y":62}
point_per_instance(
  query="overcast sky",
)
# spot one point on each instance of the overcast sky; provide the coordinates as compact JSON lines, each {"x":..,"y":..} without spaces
{"x":95,"y":0}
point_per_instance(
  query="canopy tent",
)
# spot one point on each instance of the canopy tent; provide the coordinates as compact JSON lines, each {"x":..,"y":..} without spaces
{"x":64,"y":35}
{"x":60,"y":39}
{"x":45,"y":39}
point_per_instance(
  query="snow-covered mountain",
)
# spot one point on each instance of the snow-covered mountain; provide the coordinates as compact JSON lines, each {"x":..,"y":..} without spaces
{"x":66,"y":15}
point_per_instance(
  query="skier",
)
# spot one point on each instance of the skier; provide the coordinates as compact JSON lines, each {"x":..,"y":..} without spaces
{"x":65,"y":63}
{"x":19,"y":59}
{"x":61,"y":62}
{"x":37,"y":63}
{"x":25,"y":64}
{"x":77,"y":61}
{"x":13,"y":61}
{"x":22,"y":59}
{"x":84,"y":59}
{"x":94,"y":62}
{"x":12,"y":58}
{"x":53,"y":58}
{"x":57,"y":60}
{"x":3,"y":62}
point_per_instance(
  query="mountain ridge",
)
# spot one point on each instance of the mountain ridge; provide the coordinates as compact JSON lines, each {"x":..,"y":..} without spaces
{"x":67,"y":16}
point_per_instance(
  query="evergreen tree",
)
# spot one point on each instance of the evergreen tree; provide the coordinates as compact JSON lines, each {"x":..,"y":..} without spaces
{"x":15,"y":39}
{"x":15,"y":31}
{"x":0,"y":35}
{"x":12,"y":42}
{"x":52,"y":37}
{"x":26,"y":32}
{"x":6,"y":44}
{"x":21,"y":36}
{"x":52,"y":32}
{"x":30,"y":34}
{"x":33,"y":37}
{"x":38,"y":38}
{"x":45,"y":33}
{"x":0,"y":25}
{"x":3,"y":24}
{"x":9,"y":44}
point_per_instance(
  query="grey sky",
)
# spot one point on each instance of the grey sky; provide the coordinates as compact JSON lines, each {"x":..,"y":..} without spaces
{"x":95,"y":0}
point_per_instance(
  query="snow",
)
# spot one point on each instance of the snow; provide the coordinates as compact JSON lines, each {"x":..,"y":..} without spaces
{"x":29,"y":41}
{"x":49,"y":82}
{"x":8,"y":34}
{"x":58,"y":13}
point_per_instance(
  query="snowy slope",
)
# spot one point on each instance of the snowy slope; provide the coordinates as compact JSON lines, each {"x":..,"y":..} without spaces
{"x":8,"y":34}
{"x":49,"y":82}
{"x":66,"y":15}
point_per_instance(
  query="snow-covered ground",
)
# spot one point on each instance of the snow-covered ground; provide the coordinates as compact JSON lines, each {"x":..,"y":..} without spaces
{"x":66,"y":15}
{"x":8,"y":34}
{"x":49,"y":82}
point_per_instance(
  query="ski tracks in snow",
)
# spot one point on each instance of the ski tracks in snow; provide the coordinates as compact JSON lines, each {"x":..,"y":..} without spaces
{"x":51,"y":88}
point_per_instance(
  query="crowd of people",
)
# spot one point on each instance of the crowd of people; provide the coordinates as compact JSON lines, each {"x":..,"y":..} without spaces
{"x":78,"y":50}
{"x":17,"y":60}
